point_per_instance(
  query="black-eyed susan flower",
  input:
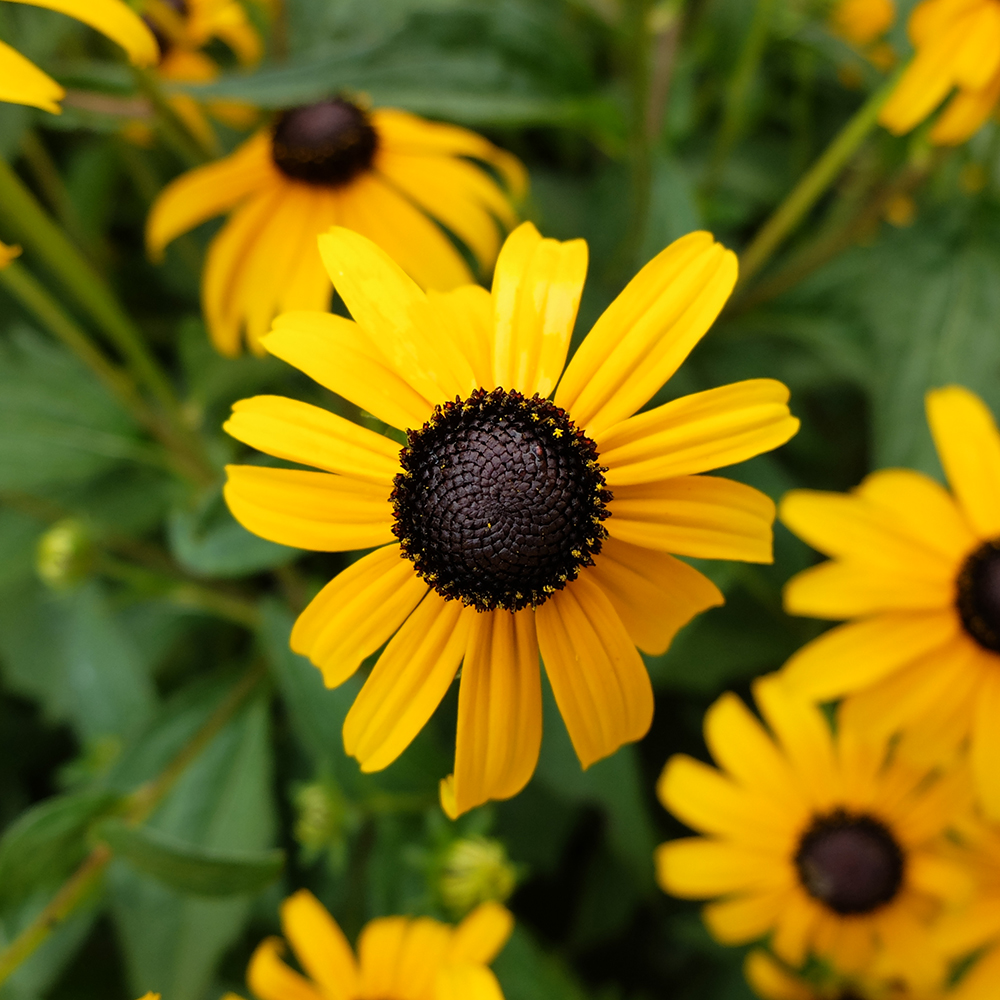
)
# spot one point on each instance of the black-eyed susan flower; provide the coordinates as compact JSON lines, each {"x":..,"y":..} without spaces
{"x":827,"y":843}
{"x":957,"y":46}
{"x":509,"y":523}
{"x":385,"y":174}
{"x":919,"y":568}
{"x":398,"y":958}
{"x":22,"y":82}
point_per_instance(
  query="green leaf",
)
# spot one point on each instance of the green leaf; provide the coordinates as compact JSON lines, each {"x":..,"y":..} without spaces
{"x":57,"y":424}
{"x":195,"y":871}
{"x":211,"y":542}
{"x":70,"y":652}
{"x":221,"y":803}
{"x":526,"y":972}
{"x":47,"y":842}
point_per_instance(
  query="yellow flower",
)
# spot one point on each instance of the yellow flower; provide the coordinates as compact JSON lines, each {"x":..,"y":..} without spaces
{"x":501,"y":498}
{"x":398,"y":958}
{"x":8,"y":253}
{"x":861,"y":22}
{"x":826,"y":842}
{"x":387,"y":175}
{"x":920,"y":570}
{"x":22,"y":82}
{"x":958,"y":46}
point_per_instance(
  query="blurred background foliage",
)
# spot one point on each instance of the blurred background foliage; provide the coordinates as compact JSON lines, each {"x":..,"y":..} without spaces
{"x":154,"y":725}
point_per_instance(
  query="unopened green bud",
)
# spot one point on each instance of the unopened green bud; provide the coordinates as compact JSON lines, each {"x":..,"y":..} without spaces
{"x":320,"y":815}
{"x":475,"y":870}
{"x":65,"y":554}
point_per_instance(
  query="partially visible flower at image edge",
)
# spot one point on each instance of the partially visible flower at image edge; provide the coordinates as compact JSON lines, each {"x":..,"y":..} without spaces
{"x":919,"y":569}
{"x":22,"y":82}
{"x":510,"y":524}
{"x":827,"y":842}
{"x":398,"y":958}
{"x":957,"y":46}
{"x":387,"y":174}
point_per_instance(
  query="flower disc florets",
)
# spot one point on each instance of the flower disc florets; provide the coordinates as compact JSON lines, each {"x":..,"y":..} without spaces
{"x":328,"y":143}
{"x":979,"y":595}
{"x":501,"y":500}
{"x":850,"y":862}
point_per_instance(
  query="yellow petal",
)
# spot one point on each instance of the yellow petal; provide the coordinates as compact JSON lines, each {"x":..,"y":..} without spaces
{"x":696,"y":433}
{"x":647,"y":332}
{"x":306,"y":434}
{"x":796,"y":927}
{"x":968,"y":445}
{"x":320,"y":946}
{"x":224,"y":264}
{"x":984,"y":752}
{"x":499,"y":710}
{"x":737,"y":921}
{"x":771,"y":980}
{"x":480,"y":937}
{"x":207,"y":191}
{"x":703,"y":516}
{"x":455,"y":192}
{"x":697,"y":868}
{"x":402,"y":132}
{"x":392,"y":310}
{"x":376,"y":210}
{"x":742,"y":748}
{"x":852,"y":656}
{"x":114,"y":19}
{"x":357,"y":612}
{"x":408,"y":682}
{"x":421,"y":956}
{"x":654,"y":594}
{"x":710,"y":802}
{"x":337,"y":354}
{"x":379,"y":948}
{"x":7,"y":254}
{"x":22,"y":82}
{"x":466,"y":315}
{"x":270,"y":979}
{"x":965,"y":115}
{"x":467,"y":982}
{"x":598,"y":679}
{"x":839,"y":590}
{"x":309,"y":510}
{"x":536,"y":293}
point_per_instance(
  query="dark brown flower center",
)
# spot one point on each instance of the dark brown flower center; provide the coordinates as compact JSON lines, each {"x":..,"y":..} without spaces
{"x":978,"y":597}
{"x":328,"y":144}
{"x":501,"y":500}
{"x":850,"y":862}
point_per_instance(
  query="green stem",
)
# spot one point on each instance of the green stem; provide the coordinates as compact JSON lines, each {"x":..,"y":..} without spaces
{"x":738,"y":91}
{"x":23,"y":285}
{"x":813,"y":185}
{"x":50,"y":182}
{"x":37,"y":230}
{"x":188,"y":147}
{"x":139,"y":806}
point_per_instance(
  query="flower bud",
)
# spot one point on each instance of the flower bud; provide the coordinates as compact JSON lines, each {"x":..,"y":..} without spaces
{"x":65,"y":554}
{"x":475,"y":870}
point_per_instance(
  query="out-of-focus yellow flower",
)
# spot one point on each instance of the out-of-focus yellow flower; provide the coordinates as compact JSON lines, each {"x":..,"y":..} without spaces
{"x":8,"y":253}
{"x":386,"y":174}
{"x":957,"y":48}
{"x":22,"y":82}
{"x":918,"y":569}
{"x":861,"y":22}
{"x":826,"y":840}
{"x":398,"y":958}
